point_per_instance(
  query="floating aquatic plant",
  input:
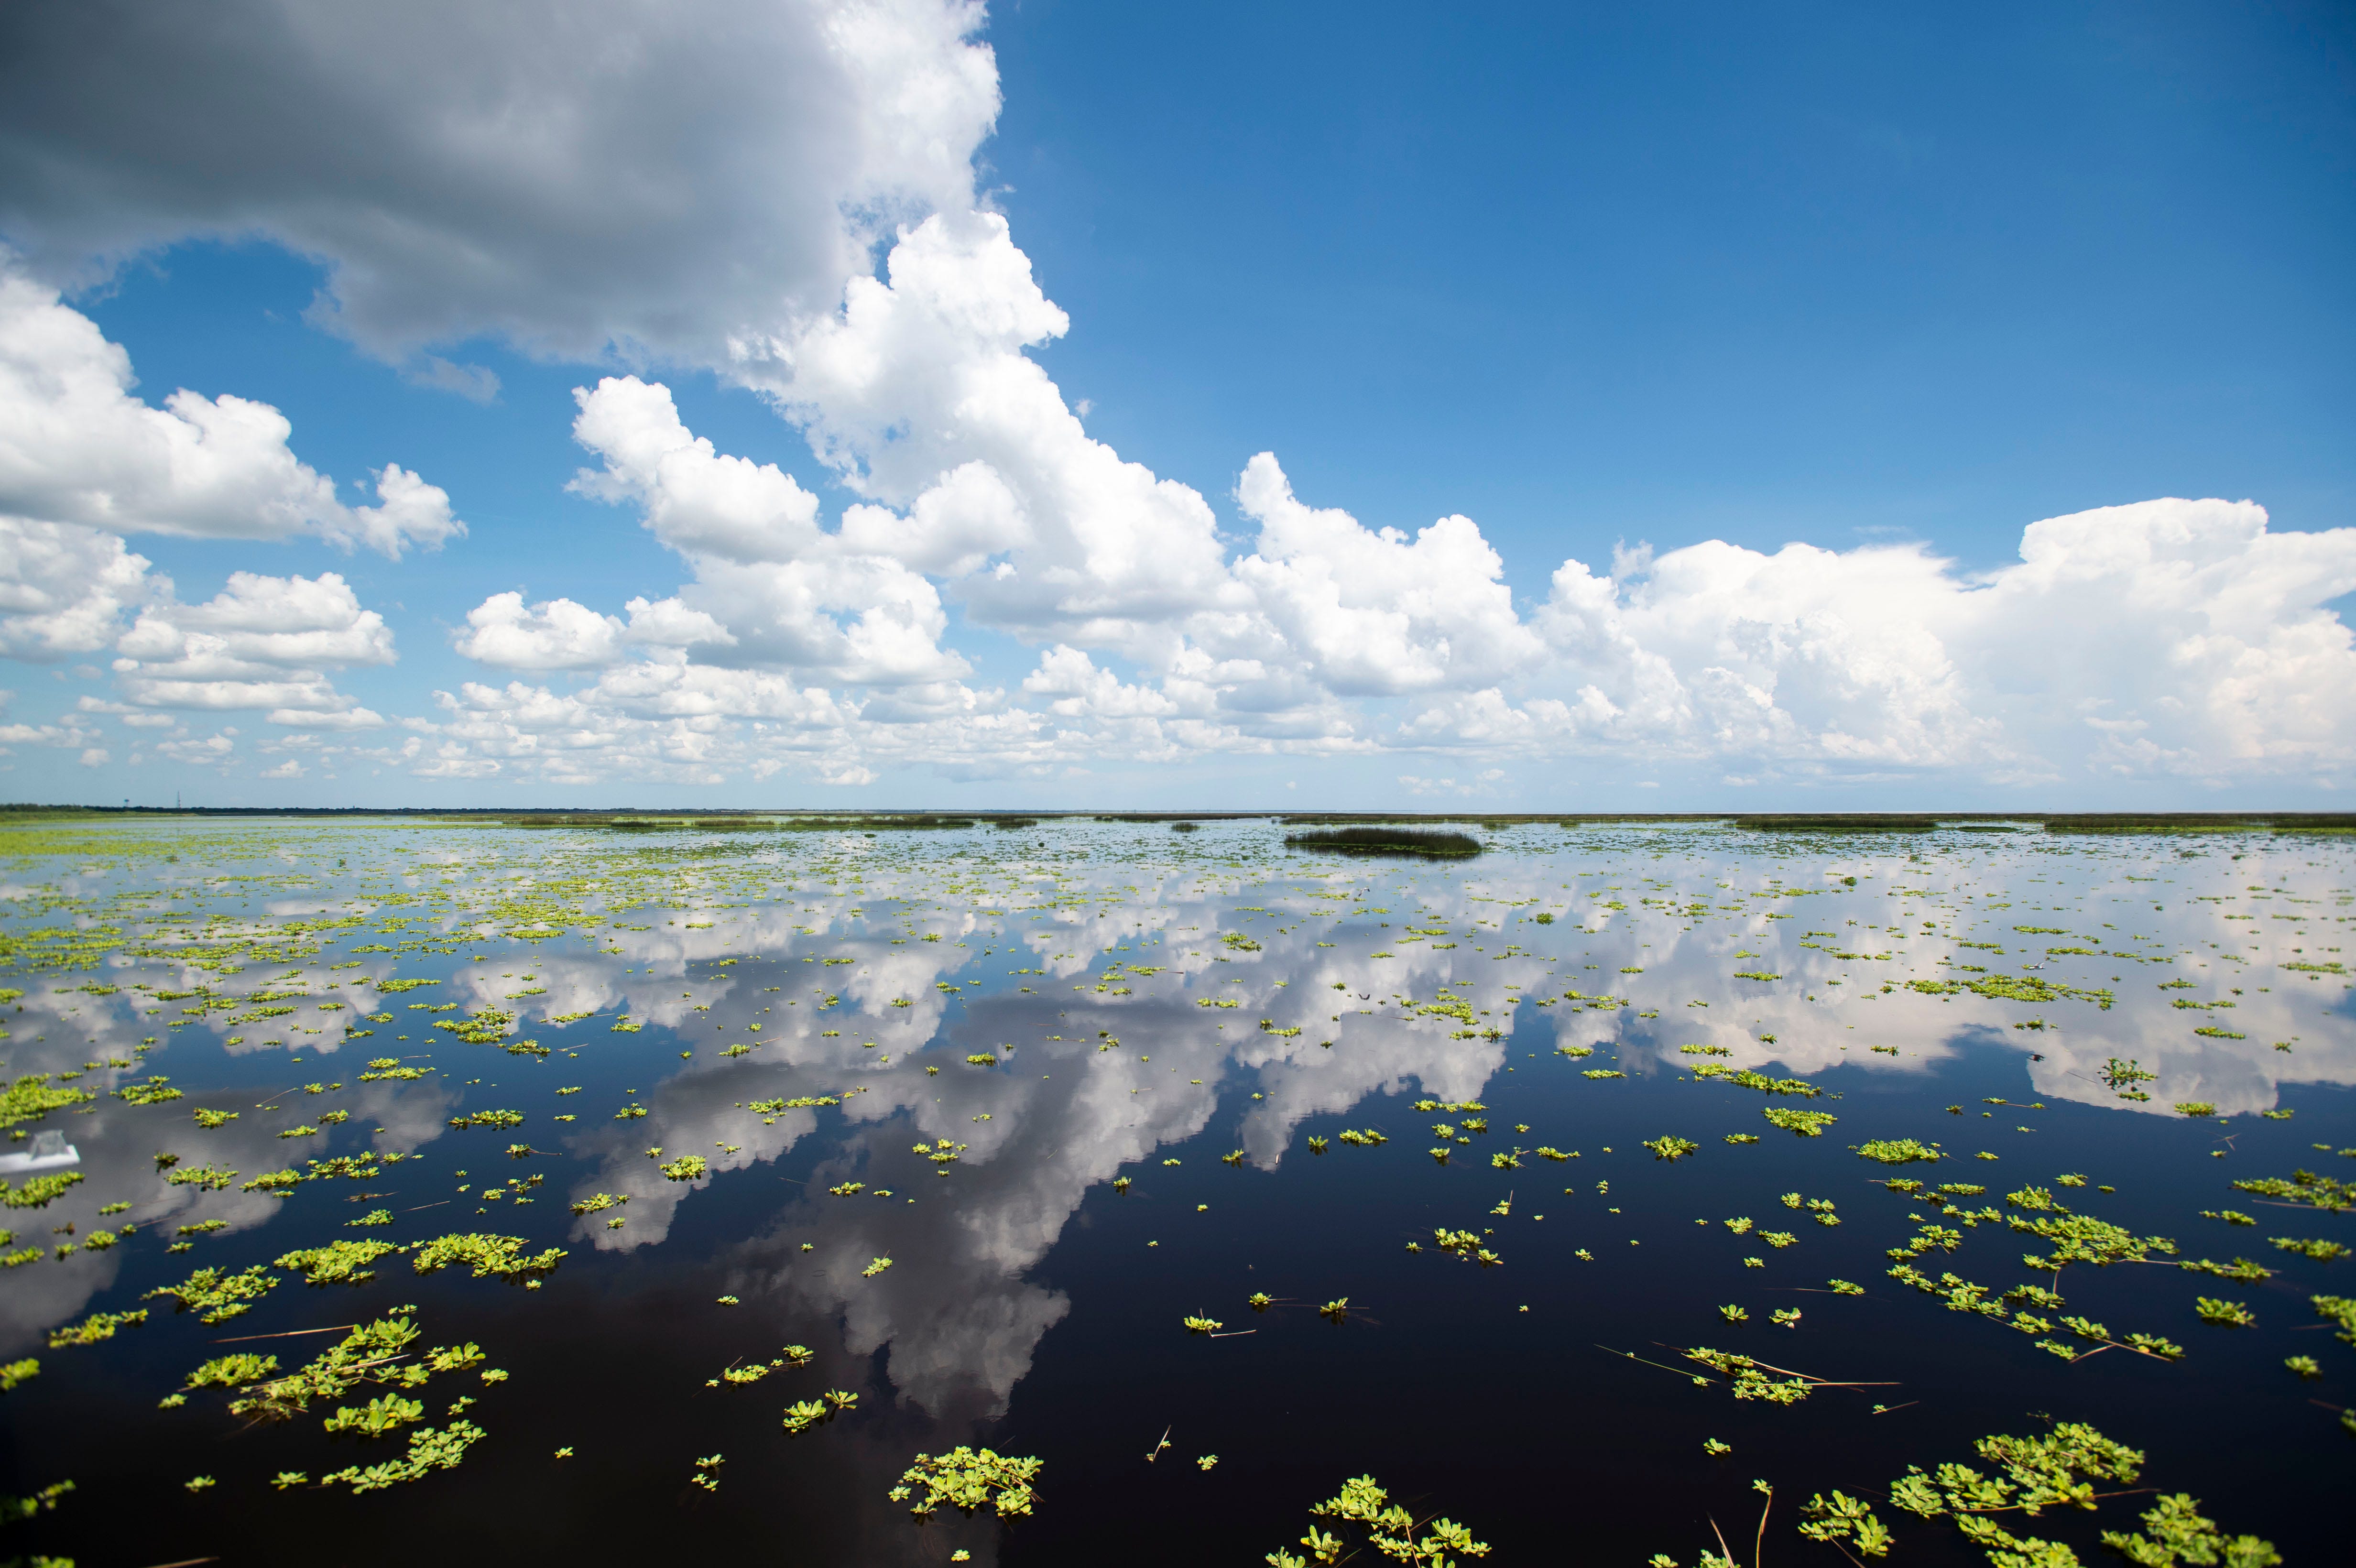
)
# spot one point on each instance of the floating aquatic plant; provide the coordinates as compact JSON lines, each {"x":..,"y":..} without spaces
{"x":2054,"y":1471}
{"x":488,"y":1119}
{"x":337,"y":1263}
{"x":1897,"y":1151}
{"x":429,"y":1450}
{"x":40,"y":1191}
{"x":2305,"y":1187}
{"x":1387,"y":1527}
{"x":97,"y":1327}
{"x":2322,"y":1252}
{"x":1806,"y":1123}
{"x":487,"y":1256}
{"x":31,"y":1098}
{"x":968,"y":1479}
{"x":216,"y":1297}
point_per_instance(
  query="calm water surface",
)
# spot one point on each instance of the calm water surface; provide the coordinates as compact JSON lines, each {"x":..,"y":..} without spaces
{"x":1080,"y":1082}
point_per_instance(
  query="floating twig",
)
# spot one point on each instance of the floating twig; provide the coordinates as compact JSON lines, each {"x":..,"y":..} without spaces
{"x":290,"y":1334}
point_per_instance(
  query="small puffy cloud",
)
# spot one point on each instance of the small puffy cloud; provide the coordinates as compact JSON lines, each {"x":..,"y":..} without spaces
{"x":1077,"y":689}
{"x":558,"y":634}
{"x":555,"y":634}
{"x":277,"y":621}
{"x":261,"y":643}
{"x":345,"y":719}
{"x":69,"y":731}
{"x":213,"y":751}
{"x":136,"y":717}
{"x":79,"y":448}
{"x":1416,"y":785}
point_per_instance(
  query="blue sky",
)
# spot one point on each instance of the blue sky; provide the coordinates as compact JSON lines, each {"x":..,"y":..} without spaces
{"x":1825,"y":308}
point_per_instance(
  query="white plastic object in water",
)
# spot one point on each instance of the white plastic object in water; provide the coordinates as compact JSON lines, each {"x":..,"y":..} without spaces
{"x":49,"y":1152}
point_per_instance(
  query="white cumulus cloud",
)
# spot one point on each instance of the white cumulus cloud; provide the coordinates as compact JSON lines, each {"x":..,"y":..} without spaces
{"x":261,"y":643}
{"x":76,"y":447}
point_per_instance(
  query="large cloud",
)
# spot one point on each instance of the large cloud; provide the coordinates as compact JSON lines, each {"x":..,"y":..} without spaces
{"x":566,"y":174}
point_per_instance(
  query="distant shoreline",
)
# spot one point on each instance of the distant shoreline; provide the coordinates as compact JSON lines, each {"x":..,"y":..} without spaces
{"x":689,"y":818}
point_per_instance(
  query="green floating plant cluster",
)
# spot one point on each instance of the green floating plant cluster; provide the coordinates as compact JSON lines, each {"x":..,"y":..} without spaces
{"x":1750,"y":1379}
{"x":803,"y":1415}
{"x":2058,"y":1470}
{"x":216,"y":1297}
{"x":1363,"y":1508}
{"x":487,"y":1256}
{"x":1897,"y":1151}
{"x":969,"y":1479}
{"x":97,"y":1327}
{"x":2306,"y":1188}
{"x":488,"y":1119}
{"x":337,"y":1263}
{"x":1745,"y":1078}
{"x":40,"y":1191}
{"x":378,"y":1354}
{"x":31,"y":1097}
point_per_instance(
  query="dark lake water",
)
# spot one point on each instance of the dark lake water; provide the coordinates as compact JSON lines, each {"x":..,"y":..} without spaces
{"x":1082,"y":1083}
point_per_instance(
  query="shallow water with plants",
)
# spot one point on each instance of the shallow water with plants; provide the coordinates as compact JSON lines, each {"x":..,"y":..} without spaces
{"x":1093,"y":1191}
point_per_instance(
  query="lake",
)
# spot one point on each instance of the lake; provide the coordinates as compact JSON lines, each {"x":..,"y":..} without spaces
{"x":607,"y":1195}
